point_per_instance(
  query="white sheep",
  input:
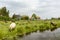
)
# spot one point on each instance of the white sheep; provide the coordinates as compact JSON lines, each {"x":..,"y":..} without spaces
{"x":12,"y":26}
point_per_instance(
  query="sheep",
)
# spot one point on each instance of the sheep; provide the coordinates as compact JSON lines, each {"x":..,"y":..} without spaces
{"x":52,"y":23}
{"x":12,"y":26}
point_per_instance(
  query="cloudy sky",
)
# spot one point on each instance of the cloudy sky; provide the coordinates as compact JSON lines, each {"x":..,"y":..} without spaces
{"x":42,"y":8}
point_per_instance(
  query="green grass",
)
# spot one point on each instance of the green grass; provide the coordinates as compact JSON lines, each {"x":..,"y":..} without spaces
{"x":24,"y":27}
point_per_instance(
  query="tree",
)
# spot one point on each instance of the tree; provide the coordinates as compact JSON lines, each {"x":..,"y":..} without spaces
{"x":25,"y":17}
{"x":58,"y":18}
{"x":14,"y":16}
{"x":53,"y":18}
{"x":4,"y":12}
{"x":34,"y":16}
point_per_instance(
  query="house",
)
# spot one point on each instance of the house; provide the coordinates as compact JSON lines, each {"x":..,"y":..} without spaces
{"x":18,"y":17}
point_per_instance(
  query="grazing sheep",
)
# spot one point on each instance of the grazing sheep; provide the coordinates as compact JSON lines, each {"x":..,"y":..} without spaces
{"x":52,"y":23}
{"x":12,"y":26}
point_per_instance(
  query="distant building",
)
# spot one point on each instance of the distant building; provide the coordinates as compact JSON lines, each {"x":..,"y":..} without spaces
{"x":18,"y":17}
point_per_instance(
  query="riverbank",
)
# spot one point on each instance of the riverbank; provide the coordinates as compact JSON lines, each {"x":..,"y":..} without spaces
{"x":25,"y":27}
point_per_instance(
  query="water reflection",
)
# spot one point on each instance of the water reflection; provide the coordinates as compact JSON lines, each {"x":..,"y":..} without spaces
{"x":46,"y":35}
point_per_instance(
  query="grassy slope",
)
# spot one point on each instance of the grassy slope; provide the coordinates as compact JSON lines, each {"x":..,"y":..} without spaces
{"x":24,"y":27}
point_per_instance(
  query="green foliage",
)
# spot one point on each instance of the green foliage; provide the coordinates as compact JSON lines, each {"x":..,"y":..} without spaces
{"x":53,"y":18}
{"x":34,"y":15}
{"x":14,"y":16}
{"x":4,"y":18}
{"x":25,"y":18}
{"x":28,"y":29}
{"x":20,"y":31}
{"x":4,"y":12}
{"x":4,"y":15}
{"x":59,"y":18}
{"x":24,"y":27}
{"x":42,"y":28}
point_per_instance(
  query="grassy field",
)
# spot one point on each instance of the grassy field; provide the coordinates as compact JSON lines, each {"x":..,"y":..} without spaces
{"x":25,"y":27}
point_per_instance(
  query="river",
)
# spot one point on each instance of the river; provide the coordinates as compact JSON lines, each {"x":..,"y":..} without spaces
{"x":46,"y":35}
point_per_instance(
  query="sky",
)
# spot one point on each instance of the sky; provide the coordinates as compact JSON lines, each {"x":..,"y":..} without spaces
{"x":43,"y":8}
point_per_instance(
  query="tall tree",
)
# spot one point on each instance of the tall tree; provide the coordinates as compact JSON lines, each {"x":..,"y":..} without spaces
{"x":34,"y":16}
{"x":4,"y":12}
{"x":14,"y":16}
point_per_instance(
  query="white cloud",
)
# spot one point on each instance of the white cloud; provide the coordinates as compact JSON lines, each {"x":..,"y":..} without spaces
{"x":43,"y":8}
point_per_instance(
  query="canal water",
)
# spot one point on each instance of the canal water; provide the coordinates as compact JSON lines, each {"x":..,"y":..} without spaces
{"x":46,"y":35}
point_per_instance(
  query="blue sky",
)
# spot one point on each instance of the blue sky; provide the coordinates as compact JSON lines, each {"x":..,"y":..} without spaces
{"x":42,"y":8}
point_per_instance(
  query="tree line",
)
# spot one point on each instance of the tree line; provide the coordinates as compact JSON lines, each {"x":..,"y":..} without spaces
{"x":4,"y":15}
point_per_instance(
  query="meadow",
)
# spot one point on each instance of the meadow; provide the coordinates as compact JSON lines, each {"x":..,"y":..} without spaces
{"x":25,"y":27}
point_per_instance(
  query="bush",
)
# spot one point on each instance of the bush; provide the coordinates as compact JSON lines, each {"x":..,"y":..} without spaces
{"x":25,"y":18}
{"x":42,"y":28}
{"x":28,"y":29}
{"x":20,"y":31}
